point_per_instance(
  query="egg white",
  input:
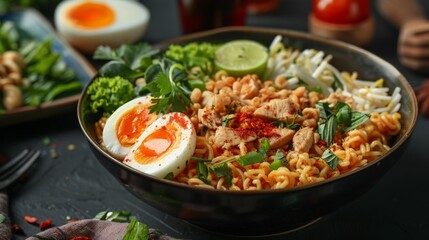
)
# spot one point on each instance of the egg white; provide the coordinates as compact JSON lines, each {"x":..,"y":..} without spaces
{"x":131,"y":21}
{"x":110,"y":138}
{"x":175,"y":158}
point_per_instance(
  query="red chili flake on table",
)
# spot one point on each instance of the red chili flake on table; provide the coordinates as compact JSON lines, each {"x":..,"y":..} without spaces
{"x":45,"y":224}
{"x":80,"y":238}
{"x":16,"y":228}
{"x":30,"y":219}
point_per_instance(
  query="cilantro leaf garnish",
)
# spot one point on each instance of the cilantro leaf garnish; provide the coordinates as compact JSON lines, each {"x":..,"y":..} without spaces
{"x":165,"y":82}
{"x":255,"y":157}
{"x":224,"y":171}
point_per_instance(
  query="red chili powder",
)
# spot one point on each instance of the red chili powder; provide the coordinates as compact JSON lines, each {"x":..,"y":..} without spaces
{"x":249,"y":125}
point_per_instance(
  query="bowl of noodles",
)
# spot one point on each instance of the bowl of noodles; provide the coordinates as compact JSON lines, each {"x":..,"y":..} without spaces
{"x":246,"y":153}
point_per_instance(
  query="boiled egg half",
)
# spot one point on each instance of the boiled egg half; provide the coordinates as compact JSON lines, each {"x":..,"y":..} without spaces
{"x":87,"y":24}
{"x":126,"y":124}
{"x":164,"y":147}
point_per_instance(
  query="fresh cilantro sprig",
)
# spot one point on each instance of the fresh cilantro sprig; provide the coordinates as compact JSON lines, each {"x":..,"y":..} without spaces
{"x":341,"y":117}
{"x":166,"y":82}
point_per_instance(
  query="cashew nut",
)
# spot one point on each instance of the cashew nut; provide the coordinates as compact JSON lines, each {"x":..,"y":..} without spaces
{"x":12,"y":97}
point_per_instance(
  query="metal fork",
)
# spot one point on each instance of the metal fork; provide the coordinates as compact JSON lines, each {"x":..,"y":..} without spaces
{"x":14,"y":169}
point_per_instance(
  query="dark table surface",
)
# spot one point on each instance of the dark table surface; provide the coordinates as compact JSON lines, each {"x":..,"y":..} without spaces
{"x":75,"y":185}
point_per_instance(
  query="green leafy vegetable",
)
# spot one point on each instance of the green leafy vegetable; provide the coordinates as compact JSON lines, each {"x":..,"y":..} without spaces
{"x":279,"y":160}
{"x":136,"y":231}
{"x":224,"y":171}
{"x":330,"y":158}
{"x":169,"y":176}
{"x":107,"y":94}
{"x":9,"y":37}
{"x":225,"y":121}
{"x":113,"y":216}
{"x":337,"y":83}
{"x":340,"y":116}
{"x":127,"y":61}
{"x":292,"y":125}
{"x":166,"y":82}
{"x":194,"y":55}
{"x":255,"y":157}
{"x":47,"y":75}
{"x":250,"y":158}
{"x":2,"y":218}
{"x":357,"y":119}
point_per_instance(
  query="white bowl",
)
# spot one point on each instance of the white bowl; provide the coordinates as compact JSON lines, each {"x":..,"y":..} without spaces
{"x":130,"y":23}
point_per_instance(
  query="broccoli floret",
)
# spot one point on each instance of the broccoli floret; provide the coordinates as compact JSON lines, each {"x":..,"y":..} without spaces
{"x":107,"y":94}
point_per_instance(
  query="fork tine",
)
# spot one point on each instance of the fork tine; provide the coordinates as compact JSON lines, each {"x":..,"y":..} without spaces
{"x":30,"y":158}
{"x":13,"y":162}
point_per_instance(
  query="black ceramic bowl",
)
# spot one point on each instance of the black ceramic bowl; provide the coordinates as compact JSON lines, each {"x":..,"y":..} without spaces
{"x":266,"y":211}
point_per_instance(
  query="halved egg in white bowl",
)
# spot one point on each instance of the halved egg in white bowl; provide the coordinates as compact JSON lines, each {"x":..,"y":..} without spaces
{"x":164,"y":147}
{"x":124,"y":127}
{"x":87,"y":24}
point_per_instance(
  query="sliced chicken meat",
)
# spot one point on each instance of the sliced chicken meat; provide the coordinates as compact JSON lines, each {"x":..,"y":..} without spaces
{"x":226,"y":137}
{"x":303,"y":139}
{"x":278,"y":109}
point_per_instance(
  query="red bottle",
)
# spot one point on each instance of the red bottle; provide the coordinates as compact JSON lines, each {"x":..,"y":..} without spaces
{"x":347,"y":20}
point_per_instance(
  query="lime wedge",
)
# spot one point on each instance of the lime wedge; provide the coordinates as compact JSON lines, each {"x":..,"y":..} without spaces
{"x":241,"y":57}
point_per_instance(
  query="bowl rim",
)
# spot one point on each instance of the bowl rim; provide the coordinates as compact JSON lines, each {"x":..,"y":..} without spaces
{"x":289,"y":33}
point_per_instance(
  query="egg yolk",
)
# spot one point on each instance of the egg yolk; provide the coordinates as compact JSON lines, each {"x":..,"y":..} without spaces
{"x":154,"y":145}
{"x":132,"y":124}
{"x":91,"y":15}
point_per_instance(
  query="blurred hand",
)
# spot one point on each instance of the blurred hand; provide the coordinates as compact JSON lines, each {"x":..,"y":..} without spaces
{"x":422,"y":94}
{"x":413,"y":45}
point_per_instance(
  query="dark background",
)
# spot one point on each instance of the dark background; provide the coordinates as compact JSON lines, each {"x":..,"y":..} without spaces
{"x":74,"y":184}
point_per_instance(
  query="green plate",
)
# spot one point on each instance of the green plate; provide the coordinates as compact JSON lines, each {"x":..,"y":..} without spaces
{"x":36,"y":26}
